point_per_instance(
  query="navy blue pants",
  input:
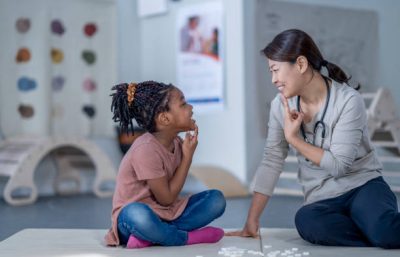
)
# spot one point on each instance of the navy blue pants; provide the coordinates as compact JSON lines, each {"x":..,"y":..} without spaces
{"x":365,"y":216}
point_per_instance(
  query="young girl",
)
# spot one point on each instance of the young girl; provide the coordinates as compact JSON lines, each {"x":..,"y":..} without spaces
{"x":347,"y":202}
{"x":147,"y":209}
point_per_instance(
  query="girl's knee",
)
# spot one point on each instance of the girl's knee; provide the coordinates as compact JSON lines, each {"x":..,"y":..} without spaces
{"x":218,"y":202}
{"x":136,"y":213}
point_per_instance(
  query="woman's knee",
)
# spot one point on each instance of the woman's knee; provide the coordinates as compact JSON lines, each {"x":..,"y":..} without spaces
{"x":387,"y":241}
{"x":308,"y":224}
{"x":302,"y":218}
{"x":385,"y":236}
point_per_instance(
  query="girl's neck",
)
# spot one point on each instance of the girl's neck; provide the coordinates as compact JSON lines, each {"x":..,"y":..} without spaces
{"x":166,"y":138}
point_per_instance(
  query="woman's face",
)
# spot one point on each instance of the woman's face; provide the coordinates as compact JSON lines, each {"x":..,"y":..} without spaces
{"x":286,"y":77}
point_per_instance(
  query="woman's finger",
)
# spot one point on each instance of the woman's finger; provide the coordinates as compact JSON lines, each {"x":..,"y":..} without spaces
{"x":285,"y":103}
{"x":294,"y":114}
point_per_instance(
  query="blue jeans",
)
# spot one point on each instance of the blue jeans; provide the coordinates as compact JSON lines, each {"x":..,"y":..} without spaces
{"x":365,"y":216}
{"x":139,"y":220}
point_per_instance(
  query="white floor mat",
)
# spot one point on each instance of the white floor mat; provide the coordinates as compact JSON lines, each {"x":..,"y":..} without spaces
{"x":89,"y":243}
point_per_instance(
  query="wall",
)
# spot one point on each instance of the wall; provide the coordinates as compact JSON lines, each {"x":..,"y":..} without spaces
{"x":259,"y":92}
{"x":389,"y":21}
{"x":222,"y":134}
{"x":234,"y":138}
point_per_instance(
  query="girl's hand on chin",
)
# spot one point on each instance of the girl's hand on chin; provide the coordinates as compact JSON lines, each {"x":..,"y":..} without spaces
{"x":190,"y":142}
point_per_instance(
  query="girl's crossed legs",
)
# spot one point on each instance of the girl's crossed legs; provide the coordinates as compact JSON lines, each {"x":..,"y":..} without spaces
{"x":138,"y":220}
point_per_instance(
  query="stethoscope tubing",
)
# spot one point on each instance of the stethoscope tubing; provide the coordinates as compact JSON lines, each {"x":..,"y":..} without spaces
{"x":319,"y":123}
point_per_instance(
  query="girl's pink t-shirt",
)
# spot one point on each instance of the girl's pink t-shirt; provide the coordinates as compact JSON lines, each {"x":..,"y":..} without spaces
{"x":146,"y":159}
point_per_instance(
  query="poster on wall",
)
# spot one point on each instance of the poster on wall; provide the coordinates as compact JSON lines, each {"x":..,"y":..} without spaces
{"x":200,"y":56}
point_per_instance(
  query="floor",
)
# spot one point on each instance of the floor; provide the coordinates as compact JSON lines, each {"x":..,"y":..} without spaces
{"x":72,"y":226}
{"x":86,"y":211}
{"x":276,"y":242}
{"x":89,"y":212}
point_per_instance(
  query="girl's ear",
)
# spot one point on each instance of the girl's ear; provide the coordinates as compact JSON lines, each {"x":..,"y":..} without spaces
{"x":302,"y":63}
{"x":163,"y":119}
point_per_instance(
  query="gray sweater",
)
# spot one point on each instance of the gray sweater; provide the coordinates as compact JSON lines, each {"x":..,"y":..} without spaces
{"x":349,"y":159}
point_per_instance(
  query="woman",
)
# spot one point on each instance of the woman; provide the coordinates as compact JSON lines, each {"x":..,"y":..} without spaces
{"x":347,"y":203}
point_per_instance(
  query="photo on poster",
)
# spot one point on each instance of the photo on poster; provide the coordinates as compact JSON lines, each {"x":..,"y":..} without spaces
{"x":200,"y":58}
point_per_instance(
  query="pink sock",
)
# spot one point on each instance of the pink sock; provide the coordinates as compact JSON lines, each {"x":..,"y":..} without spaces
{"x":134,"y":242}
{"x":205,"y":235}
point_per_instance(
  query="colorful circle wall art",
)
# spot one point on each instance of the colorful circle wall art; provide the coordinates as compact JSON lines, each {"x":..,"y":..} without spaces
{"x":57,"y":83}
{"x":57,"y":55}
{"x":58,"y":80}
{"x":90,"y":29}
{"x":89,"y":57}
{"x":23,"y":55}
{"x":23,"y":25}
{"x":26,"y":111}
{"x":89,"y":110}
{"x":89,"y":85}
{"x":57,"y":27}
{"x":57,"y":111}
{"x":26,"y":84}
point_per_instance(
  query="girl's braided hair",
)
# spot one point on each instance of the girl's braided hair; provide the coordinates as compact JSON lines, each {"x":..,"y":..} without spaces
{"x":141,"y":101}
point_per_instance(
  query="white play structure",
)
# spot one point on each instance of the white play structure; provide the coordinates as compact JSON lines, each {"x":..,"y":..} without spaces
{"x":19,"y":158}
{"x":382,"y":119}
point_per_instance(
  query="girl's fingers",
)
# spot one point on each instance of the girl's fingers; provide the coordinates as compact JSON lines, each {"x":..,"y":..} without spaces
{"x":187,"y":136}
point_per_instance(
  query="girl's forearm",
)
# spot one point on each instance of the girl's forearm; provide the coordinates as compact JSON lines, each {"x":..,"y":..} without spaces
{"x":178,"y":180}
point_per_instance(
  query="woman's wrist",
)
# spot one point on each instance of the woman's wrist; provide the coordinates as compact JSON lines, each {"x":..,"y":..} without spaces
{"x":292,"y":140}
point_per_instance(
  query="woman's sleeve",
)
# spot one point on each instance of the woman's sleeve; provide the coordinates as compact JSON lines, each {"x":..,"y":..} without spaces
{"x":346,"y":137}
{"x":275,"y":152}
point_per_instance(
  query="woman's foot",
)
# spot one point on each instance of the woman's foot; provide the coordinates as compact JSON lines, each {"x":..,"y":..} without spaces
{"x":135,"y":243}
{"x":205,"y":235}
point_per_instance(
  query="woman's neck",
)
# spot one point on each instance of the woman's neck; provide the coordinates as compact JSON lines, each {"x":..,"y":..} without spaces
{"x":314,"y":92}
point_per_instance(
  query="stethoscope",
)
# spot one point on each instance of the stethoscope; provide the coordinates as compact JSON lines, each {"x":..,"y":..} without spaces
{"x":319,"y":123}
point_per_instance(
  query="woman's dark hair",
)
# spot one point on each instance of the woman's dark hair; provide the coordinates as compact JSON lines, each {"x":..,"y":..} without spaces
{"x":142,"y":102}
{"x":292,"y":43}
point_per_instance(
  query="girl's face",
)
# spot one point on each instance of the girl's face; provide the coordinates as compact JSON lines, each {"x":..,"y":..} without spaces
{"x":286,"y":77}
{"x":180,"y":111}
